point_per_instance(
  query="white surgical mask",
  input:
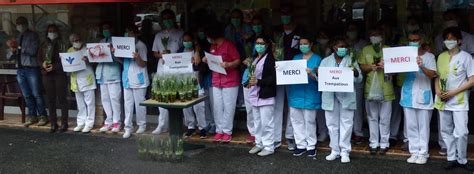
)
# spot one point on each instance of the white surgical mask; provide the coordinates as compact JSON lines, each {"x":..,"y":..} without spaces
{"x":375,"y":39}
{"x":450,"y":23}
{"x":21,"y":28}
{"x":76,"y":45}
{"x":52,"y":36}
{"x":352,"y":35}
{"x":450,"y":44}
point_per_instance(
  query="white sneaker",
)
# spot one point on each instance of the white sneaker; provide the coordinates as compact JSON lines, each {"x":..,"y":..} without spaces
{"x":86,"y":130}
{"x":158,"y":131}
{"x":116,"y":129}
{"x":141,"y":130}
{"x":127,"y":134}
{"x":265,"y":153}
{"x":412,"y":159}
{"x":255,"y":150}
{"x":421,"y":160}
{"x":78,"y":128}
{"x":345,"y":159}
{"x":104,"y":129}
{"x":332,"y":157}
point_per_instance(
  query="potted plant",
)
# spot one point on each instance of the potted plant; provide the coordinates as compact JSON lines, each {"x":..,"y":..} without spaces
{"x":181,"y":91}
{"x":189,"y":88}
{"x":165,"y":41}
{"x":442,"y":84}
{"x":195,"y":87}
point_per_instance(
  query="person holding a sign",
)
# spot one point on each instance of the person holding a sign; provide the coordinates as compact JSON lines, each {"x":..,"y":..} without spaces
{"x":107,"y":75}
{"x":262,"y":94}
{"x":455,"y":78}
{"x":54,"y":78}
{"x":304,"y":100}
{"x":339,"y":107}
{"x":135,"y":82}
{"x":167,"y":41}
{"x":83,"y":85}
{"x":378,"y":93}
{"x":224,"y":87}
{"x":417,"y":101}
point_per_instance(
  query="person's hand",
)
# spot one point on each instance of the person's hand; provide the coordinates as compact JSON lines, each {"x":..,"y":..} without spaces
{"x":204,"y":59}
{"x":224,"y":65}
{"x":381,"y":64}
{"x":136,"y":55}
{"x":196,"y":60}
{"x":165,"y":52}
{"x":246,"y":61}
{"x":447,"y":95}
{"x":112,"y":50}
{"x":308,"y":70}
{"x":253,"y":81}
{"x":47,"y":67}
{"x":419,"y":61}
{"x":84,"y":58}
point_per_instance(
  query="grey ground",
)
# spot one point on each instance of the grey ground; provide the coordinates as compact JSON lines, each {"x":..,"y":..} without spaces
{"x":29,"y":151}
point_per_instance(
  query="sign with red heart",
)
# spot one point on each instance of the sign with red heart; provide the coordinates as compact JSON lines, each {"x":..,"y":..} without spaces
{"x":99,"y":52}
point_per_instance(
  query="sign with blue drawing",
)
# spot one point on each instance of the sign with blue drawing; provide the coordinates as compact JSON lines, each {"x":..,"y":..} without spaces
{"x":72,"y":62}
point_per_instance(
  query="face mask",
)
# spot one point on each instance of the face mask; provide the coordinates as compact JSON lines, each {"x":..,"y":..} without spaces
{"x":414,"y":44}
{"x":375,"y":39}
{"x":188,"y":45}
{"x":168,"y":23}
{"x":341,"y":52}
{"x":52,"y":36}
{"x":106,"y":33}
{"x":323,"y":41}
{"x":304,"y":49}
{"x":21,"y":28}
{"x":235,"y":22}
{"x":76,"y":45}
{"x":450,"y":23}
{"x":126,"y":34}
{"x":352,"y":35}
{"x":257,"y":28}
{"x":260,"y":48}
{"x":201,"y":35}
{"x":285,"y":20}
{"x":450,"y":44}
{"x":411,"y":28}
{"x":209,"y":40}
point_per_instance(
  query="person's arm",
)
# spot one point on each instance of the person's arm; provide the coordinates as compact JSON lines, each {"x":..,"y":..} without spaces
{"x":235,"y":57}
{"x":451,"y":93}
{"x":358,"y":77}
{"x":32,"y":45}
{"x":436,"y":84}
{"x":139,"y":60}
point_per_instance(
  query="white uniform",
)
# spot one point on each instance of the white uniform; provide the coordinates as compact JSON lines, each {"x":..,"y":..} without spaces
{"x":224,"y":100}
{"x":248,"y":109}
{"x":454,"y":112}
{"x":110,"y":95}
{"x":279,"y":107}
{"x":174,"y":43}
{"x":135,"y":82}
{"x":305,"y":121}
{"x":196,"y":115}
{"x":83,"y":85}
{"x":417,"y":102}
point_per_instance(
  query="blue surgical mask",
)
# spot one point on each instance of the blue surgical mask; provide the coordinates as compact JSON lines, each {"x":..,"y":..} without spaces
{"x":188,"y":45}
{"x":106,"y":33}
{"x":257,"y":28}
{"x":235,"y":22}
{"x":304,"y":49}
{"x":168,"y":23}
{"x":209,"y":40}
{"x":260,"y":48}
{"x":285,"y":20}
{"x":341,"y":52}
{"x":414,"y":44}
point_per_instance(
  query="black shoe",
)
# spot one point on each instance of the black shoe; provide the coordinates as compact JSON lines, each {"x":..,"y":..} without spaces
{"x":466,"y":167}
{"x":405,"y":146}
{"x":299,"y":152}
{"x":54,"y":128}
{"x":203,"y":134}
{"x":373,"y":151}
{"x":451,"y":165}
{"x":189,"y":133}
{"x":63,"y":128}
{"x":383,"y":151}
{"x":392,"y":142}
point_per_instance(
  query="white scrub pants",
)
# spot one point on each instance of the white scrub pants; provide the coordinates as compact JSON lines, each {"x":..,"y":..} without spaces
{"x":163,"y":119}
{"x":441,"y":143}
{"x":224,"y":100}
{"x":264,"y":127}
{"x":304,"y":125}
{"x":85,"y":108}
{"x":454,"y":132}
{"x":339,"y":122}
{"x":359,"y":113}
{"x":418,"y":130}
{"x":321,"y":121}
{"x":132,"y":98}
{"x":208,"y":107}
{"x":195,"y":116}
{"x":282,"y":92}
{"x":248,"y":107}
{"x":111,"y":96}
{"x":378,"y":115}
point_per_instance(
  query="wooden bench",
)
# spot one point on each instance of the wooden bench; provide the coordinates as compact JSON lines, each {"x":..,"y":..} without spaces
{"x":10,"y":90}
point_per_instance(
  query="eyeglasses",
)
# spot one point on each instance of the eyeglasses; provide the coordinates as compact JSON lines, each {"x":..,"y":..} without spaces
{"x":260,"y":43}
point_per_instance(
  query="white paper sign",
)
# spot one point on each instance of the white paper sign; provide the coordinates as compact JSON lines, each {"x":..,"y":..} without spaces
{"x":72,"y":62}
{"x":124,"y":46}
{"x":291,"y":72}
{"x":400,"y":59}
{"x":99,"y":52}
{"x":214,"y":63}
{"x":178,"y":63}
{"x":335,"y":79}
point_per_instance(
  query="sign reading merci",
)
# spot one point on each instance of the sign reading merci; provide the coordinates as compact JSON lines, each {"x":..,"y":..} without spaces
{"x":335,"y":79}
{"x":291,"y":72}
{"x":400,"y":59}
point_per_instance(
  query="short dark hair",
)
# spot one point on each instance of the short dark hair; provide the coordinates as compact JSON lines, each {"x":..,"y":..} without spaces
{"x":269,"y":44}
{"x":190,"y":34}
{"x":455,"y":31}
{"x":22,"y":20}
{"x":308,"y":37}
{"x":240,"y":12}
{"x":167,"y":12}
{"x":133,"y":28}
{"x":339,"y":39}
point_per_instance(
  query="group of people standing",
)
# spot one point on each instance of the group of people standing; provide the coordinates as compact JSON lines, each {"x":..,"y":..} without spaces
{"x":251,"y":73}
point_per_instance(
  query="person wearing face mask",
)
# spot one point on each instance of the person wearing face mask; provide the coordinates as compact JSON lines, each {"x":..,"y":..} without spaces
{"x":167,"y":41}
{"x":24,"y":50}
{"x":322,"y":46}
{"x":417,"y":101}
{"x":356,"y":44}
{"x":239,"y":32}
{"x":54,"y":79}
{"x":262,"y":97}
{"x":304,"y":100}
{"x":339,"y":107}
{"x":107,"y":75}
{"x":451,"y":20}
{"x":225,"y":88}
{"x":455,"y":78}
{"x":83,"y":85}
{"x":195,"y":117}
{"x":379,"y":109}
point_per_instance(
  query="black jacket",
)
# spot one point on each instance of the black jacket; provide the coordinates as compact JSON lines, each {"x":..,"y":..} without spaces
{"x":268,"y":82}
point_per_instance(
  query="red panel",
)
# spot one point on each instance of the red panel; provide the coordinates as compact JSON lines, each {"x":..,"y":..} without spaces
{"x":26,"y":2}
